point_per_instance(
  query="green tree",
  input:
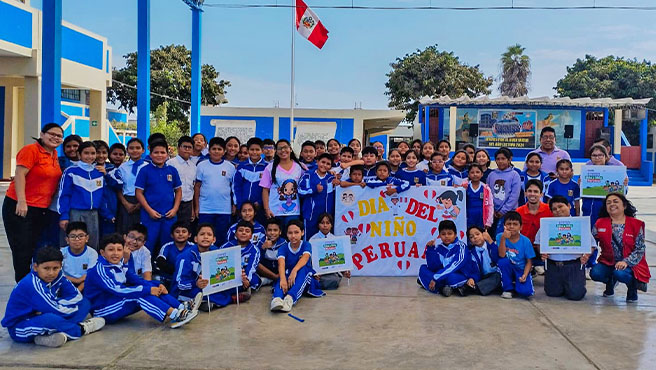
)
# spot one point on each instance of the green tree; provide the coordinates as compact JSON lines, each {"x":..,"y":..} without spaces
{"x":159,"y":122}
{"x":515,"y":71}
{"x":433,"y":73}
{"x":170,"y":75}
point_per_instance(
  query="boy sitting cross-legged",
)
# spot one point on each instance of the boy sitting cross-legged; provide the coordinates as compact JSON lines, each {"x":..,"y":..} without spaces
{"x":45,"y":307}
{"x":165,"y":261}
{"x":250,"y":259}
{"x":116,"y":292}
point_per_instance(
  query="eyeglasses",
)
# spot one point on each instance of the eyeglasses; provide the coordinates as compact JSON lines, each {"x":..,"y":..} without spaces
{"x":548,"y":137}
{"x":187,"y":147}
{"x":77,"y":236}
{"x":139,"y":239}
{"x":284,"y":147}
{"x":598,"y":155}
{"x":268,"y":147}
{"x":56,"y":136}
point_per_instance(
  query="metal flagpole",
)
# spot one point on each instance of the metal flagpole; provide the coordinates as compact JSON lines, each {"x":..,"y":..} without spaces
{"x":292,"y":103}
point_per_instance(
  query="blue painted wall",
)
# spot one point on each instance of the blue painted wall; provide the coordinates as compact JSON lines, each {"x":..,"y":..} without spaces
{"x":15,"y":25}
{"x":117,"y":116}
{"x":383,"y":139}
{"x":72,"y":110}
{"x":81,"y":48}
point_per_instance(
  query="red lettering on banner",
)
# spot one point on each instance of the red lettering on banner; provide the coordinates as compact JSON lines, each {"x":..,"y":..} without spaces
{"x":412,"y":207}
{"x":431,"y":216}
{"x":396,"y":249}
{"x":414,"y":251}
{"x":369,"y":253}
{"x":423,"y":256}
{"x":357,"y":260}
{"x":384,"y":250}
{"x":421,"y":211}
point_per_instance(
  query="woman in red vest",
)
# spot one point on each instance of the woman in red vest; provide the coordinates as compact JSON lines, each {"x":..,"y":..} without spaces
{"x":622,"y":241}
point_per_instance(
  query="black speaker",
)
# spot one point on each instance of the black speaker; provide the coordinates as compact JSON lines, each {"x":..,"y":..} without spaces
{"x":473,"y":130}
{"x":569,"y":131}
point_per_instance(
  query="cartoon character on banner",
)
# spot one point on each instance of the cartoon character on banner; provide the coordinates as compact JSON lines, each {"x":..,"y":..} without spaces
{"x":353,"y":233}
{"x":446,"y":202}
{"x":288,"y":193}
{"x":395,"y":204}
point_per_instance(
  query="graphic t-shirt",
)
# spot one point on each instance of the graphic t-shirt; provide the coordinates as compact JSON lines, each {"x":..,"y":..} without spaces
{"x":518,"y":252}
{"x":283,"y":193}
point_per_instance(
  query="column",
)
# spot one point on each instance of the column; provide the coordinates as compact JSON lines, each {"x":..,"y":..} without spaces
{"x":143,"y":70}
{"x":51,"y":63}
{"x":196,"y":66}
{"x":453,"y":116}
{"x":98,"y":128}
{"x":32,"y":116}
{"x":10,"y":129}
{"x":617,"y":134}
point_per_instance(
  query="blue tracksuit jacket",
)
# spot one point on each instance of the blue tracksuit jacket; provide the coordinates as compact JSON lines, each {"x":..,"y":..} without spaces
{"x":250,"y":258}
{"x":246,"y":183}
{"x":109,"y":202}
{"x":187,"y":270}
{"x":445,"y":260}
{"x":81,"y":187}
{"x":443,"y":178}
{"x":259,"y":232}
{"x":315,"y":202}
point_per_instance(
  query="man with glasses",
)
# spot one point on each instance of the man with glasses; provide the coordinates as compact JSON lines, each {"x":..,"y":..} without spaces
{"x":549,"y":152}
{"x":187,"y":171}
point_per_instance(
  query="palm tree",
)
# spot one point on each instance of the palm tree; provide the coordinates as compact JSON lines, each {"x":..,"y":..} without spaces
{"x":515,"y":70}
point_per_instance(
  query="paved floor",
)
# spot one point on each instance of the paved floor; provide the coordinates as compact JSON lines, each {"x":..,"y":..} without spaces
{"x":375,"y":323}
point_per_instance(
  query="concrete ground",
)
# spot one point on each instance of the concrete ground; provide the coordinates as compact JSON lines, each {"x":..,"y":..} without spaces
{"x":375,"y":323}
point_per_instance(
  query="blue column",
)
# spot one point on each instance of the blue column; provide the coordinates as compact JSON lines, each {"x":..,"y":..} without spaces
{"x":644,"y":131}
{"x":143,"y":70}
{"x":196,"y":76}
{"x":51,"y":62}
{"x":426,"y":135}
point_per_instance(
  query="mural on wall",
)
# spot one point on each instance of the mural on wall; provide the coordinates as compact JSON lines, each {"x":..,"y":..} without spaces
{"x":242,"y":129}
{"x":509,"y":128}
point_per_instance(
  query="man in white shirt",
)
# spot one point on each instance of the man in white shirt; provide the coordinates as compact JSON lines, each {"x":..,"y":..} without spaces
{"x":187,"y":171}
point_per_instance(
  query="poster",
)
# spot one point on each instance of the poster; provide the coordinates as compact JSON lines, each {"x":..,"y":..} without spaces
{"x":558,"y":119}
{"x":388,"y":234}
{"x":331,"y":255}
{"x":313,"y":131}
{"x":509,"y":128}
{"x":223,"y":268}
{"x":565,"y":235}
{"x":242,"y":129}
{"x":599,"y":181}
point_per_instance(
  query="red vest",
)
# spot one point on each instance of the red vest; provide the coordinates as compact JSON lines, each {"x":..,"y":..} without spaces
{"x":632,"y":227}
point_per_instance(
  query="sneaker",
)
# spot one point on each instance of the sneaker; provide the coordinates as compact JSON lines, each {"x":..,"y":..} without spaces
{"x":288,"y":303}
{"x":539,"y":270}
{"x":610,"y":288}
{"x":92,"y":324}
{"x":183,"y":317}
{"x":194,"y":304}
{"x":447,"y":291}
{"x":277,"y":304}
{"x":587,"y":274}
{"x":419,"y":283}
{"x":632,"y":296}
{"x":461,"y":291}
{"x":52,"y":340}
{"x":506,"y":295}
{"x":641,"y":286}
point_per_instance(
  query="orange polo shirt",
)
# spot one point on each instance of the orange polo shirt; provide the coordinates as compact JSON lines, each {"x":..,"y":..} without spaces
{"x":531,"y":222}
{"x":42,"y":178}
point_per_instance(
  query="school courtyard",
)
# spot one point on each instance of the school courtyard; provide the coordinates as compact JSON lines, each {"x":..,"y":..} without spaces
{"x":375,"y":323}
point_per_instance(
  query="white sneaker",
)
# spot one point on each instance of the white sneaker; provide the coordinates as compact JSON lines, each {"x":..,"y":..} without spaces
{"x":52,"y":340}
{"x":506,"y":295}
{"x":183,"y":317}
{"x":92,"y":324}
{"x":539,"y":270}
{"x":288,"y":303}
{"x":587,"y":274}
{"x":194,"y":304}
{"x":277,"y":304}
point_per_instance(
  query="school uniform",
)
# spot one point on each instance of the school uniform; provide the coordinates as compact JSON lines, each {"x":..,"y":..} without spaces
{"x":486,"y":257}
{"x":480,"y":206}
{"x":423,"y":165}
{"x":187,"y":270}
{"x":542,"y":176}
{"x":39,"y":308}
{"x":512,"y":266}
{"x":269,"y":256}
{"x":126,"y":177}
{"x":159,"y":185}
{"x":165,"y":261}
{"x":80,"y":196}
{"x":413,"y":177}
{"x":304,"y":282}
{"x":314,"y":202}
{"x":259,"y":232}
{"x":309,"y":166}
{"x":328,"y":281}
{"x":215,"y":200}
{"x":187,"y":172}
{"x":76,"y":265}
{"x":369,"y":174}
{"x":570,"y":190}
{"x":139,"y":262}
{"x":116,"y":292}
{"x":458,"y":176}
{"x":448,"y":265}
{"x":399,"y":184}
{"x":250,"y":259}
{"x":443,"y":178}
{"x":246,"y":184}
{"x":109,"y":203}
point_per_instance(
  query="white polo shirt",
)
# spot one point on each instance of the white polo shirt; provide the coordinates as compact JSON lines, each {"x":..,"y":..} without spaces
{"x":187,"y":171}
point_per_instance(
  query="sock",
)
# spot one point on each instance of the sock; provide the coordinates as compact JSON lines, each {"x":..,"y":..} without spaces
{"x":174,"y":315}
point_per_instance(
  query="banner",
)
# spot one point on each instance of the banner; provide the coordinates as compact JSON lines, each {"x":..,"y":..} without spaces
{"x":389,"y":233}
{"x":331,"y":255}
{"x":509,"y":128}
{"x":223,"y":269}
{"x":599,"y":181}
{"x":565,"y":235}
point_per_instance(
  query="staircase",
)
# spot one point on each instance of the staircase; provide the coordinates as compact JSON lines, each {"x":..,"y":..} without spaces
{"x":639,"y":177}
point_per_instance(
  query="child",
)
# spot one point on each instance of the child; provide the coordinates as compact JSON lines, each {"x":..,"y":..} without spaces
{"x":483,"y":158}
{"x":268,"y":267}
{"x":427,"y":150}
{"x":187,"y":171}
{"x":212,"y":192}
{"x":81,"y":191}
{"x":505,"y":185}
{"x":116,"y":292}
{"x":470,"y":149}
{"x":295,"y":270}
{"x":247,"y":213}
{"x":356,"y":145}
{"x":159,"y":191}
{"x":102,"y":153}
{"x":515,"y":254}
{"x":394,"y":159}
{"x":403,"y":147}
{"x":78,"y":257}
{"x":369,"y":157}
{"x":458,"y":167}
{"x":232,"y":145}
{"x":268,"y":150}
{"x":438,"y":176}
{"x":45,"y":308}
{"x":356,"y":175}
{"x":448,"y":265}
{"x":411,"y":173}
{"x":246,"y":183}
{"x":243,"y":153}
{"x":308,"y":154}
{"x":317,"y":190}
{"x":109,"y":203}
{"x":328,"y":281}
{"x":383,"y":178}
{"x":199,"y":153}
{"x":71,"y":154}
{"x":320,"y":146}
{"x":565,"y":186}
{"x":342,"y":169}
{"x":135,"y":255}
{"x":168,"y":254}
{"x":128,"y":213}
{"x":280,"y":184}
{"x":117,"y":154}
{"x":250,"y":258}
{"x":480,"y":205}
{"x":533,"y":171}
{"x":485,"y":254}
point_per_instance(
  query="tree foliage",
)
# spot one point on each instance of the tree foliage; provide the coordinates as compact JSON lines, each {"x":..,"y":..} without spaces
{"x":515,"y":71}
{"x":159,"y":122}
{"x":433,"y":73}
{"x":170,"y":75}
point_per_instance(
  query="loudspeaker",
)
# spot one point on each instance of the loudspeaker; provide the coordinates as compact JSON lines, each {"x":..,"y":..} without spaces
{"x":473,"y":130}
{"x":569,"y":131}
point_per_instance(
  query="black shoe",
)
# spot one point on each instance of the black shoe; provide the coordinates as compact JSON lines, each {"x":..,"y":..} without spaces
{"x":461,"y":291}
{"x":631,"y":296}
{"x":641,"y":286}
{"x":447,"y":291}
{"x":419,"y":283}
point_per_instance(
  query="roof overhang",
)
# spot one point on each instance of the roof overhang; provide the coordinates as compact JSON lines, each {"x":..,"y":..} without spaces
{"x":539,"y":101}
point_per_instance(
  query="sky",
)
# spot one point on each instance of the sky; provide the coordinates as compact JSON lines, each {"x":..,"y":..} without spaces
{"x":252,"y":47}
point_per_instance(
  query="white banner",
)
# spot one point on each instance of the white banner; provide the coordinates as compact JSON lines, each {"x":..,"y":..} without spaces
{"x":389,"y":233}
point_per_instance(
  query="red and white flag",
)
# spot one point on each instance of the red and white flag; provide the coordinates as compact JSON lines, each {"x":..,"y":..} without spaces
{"x":309,"y":25}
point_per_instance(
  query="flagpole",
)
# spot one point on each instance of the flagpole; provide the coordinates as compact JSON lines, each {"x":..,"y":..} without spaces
{"x":293,"y":72}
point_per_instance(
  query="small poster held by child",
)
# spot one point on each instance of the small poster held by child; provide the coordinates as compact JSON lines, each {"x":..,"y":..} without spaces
{"x":599,"y":181}
{"x":222,"y":268}
{"x":331,"y":255}
{"x":565,"y":235}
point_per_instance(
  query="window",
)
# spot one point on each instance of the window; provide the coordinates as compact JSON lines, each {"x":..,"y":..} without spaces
{"x":71,"y":95}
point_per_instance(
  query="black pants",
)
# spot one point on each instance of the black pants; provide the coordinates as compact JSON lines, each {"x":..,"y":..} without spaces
{"x":124,"y":219}
{"x":565,"y":280}
{"x":184,"y":213}
{"x":22,"y":234}
{"x":489,"y":283}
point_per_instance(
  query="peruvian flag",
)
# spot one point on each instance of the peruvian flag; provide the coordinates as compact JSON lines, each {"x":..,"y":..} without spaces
{"x":309,"y":25}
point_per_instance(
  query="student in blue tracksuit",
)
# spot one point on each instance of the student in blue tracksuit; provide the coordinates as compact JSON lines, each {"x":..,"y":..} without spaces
{"x":168,"y":254}
{"x":565,"y":186}
{"x":317,"y":191}
{"x":213,"y":190}
{"x":533,"y":171}
{"x":437,"y":175}
{"x":448,"y":265}
{"x":128,"y":211}
{"x":45,"y":307}
{"x":410,"y":173}
{"x":268,"y":267}
{"x":159,"y":191}
{"x":458,"y":167}
{"x":250,"y":257}
{"x":370,"y":157}
{"x":393,"y":184}
{"x":295,"y":270}
{"x":515,"y":254}
{"x":81,"y":191}
{"x":116,"y":292}
{"x":247,"y":213}
{"x":109,"y":202}
{"x":309,"y":156}
{"x":485,"y":254}
{"x":246,"y":183}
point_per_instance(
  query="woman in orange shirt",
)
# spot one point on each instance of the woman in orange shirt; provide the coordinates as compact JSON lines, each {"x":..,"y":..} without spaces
{"x":29,"y":194}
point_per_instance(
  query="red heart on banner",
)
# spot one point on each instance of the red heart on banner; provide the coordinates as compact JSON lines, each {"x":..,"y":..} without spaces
{"x":407,"y":265}
{"x":462,"y":234}
{"x":400,"y":264}
{"x":382,"y":193}
{"x":433,"y":230}
{"x":430,"y":194}
{"x":351,"y":217}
